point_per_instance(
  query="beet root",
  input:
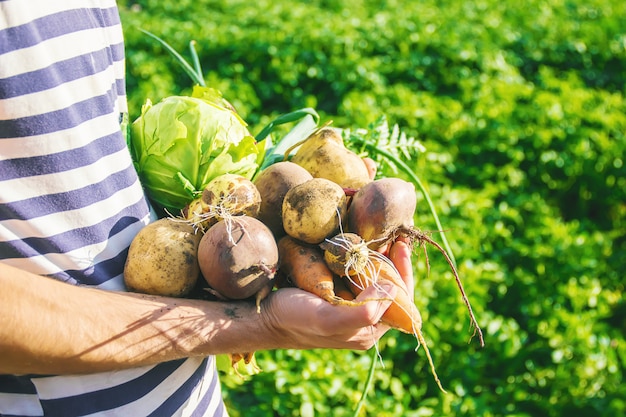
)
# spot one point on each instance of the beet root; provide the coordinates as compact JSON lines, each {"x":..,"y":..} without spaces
{"x":238,"y":258}
{"x":383,"y":210}
{"x":223,"y":197}
{"x":346,"y":254}
{"x":380,"y":208}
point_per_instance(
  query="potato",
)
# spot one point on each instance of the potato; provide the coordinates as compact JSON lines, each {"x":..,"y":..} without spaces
{"x":162,"y":259}
{"x":312,"y":210}
{"x":273,"y":183}
{"x":324,"y":155}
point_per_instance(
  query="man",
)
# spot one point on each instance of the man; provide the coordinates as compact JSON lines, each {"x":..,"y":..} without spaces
{"x":72,"y":341}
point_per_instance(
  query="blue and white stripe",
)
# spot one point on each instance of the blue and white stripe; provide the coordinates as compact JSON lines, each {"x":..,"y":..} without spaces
{"x":178,"y":388}
{"x":70,"y":199}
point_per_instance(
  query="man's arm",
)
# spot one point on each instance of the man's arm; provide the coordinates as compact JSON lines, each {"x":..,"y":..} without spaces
{"x":49,"y":327}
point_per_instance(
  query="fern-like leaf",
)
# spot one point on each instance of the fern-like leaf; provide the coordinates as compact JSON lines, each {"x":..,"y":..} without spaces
{"x":391,"y":140}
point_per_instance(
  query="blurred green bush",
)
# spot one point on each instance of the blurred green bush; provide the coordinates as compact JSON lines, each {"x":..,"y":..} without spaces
{"x":522,"y":109}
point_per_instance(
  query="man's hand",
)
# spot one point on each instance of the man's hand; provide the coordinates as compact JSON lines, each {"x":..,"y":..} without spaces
{"x":302,"y":320}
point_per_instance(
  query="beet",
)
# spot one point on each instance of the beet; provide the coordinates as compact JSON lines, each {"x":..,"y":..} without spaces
{"x":224,"y":196}
{"x":380,"y":208}
{"x":382,"y":211}
{"x":238,"y":257}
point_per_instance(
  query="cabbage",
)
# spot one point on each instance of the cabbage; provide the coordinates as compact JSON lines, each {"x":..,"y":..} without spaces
{"x":183,"y":142}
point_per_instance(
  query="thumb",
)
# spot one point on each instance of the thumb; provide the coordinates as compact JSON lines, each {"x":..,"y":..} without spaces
{"x":377,"y":298}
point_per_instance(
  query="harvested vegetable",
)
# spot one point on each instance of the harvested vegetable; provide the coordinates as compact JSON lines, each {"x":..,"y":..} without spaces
{"x":346,"y":253}
{"x":362,"y":268}
{"x":223,"y":197}
{"x":238,"y":259}
{"x":183,"y":142}
{"x":324,"y":155}
{"x":176,"y":161}
{"x":383,"y":210}
{"x":162,"y":259}
{"x":304,"y":266}
{"x":402,"y":314}
{"x":380,"y":208}
{"x":312,"y":210}
{"x":348,"y":256}
{"x":273,"y":184}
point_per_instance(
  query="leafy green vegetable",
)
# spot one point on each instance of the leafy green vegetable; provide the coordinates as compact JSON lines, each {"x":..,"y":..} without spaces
{"x":183,"y":142}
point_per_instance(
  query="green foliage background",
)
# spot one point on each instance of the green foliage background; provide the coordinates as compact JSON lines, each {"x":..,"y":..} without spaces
{"x":521,"y":108}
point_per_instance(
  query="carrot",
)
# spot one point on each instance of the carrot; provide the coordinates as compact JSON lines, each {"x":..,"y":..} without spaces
{"x":341,"y":289}
{"x":402,"y":314}
{"x":304,"y":266}
{"x":347,"y":255}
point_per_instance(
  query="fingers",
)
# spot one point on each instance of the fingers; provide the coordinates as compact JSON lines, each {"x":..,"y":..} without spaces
{"x":376,"y":299}
{"x":371,"y":167}
{"x":307,"y":321}
{"x":400,"y":255}
{"x":359,"y":326}
{"x":371,"y":304}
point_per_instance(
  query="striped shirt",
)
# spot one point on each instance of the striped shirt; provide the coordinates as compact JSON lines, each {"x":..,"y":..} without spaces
{"x":70,"y":199}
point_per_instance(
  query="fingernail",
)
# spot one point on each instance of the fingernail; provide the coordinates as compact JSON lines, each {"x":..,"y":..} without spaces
{"x":386,"y":289}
